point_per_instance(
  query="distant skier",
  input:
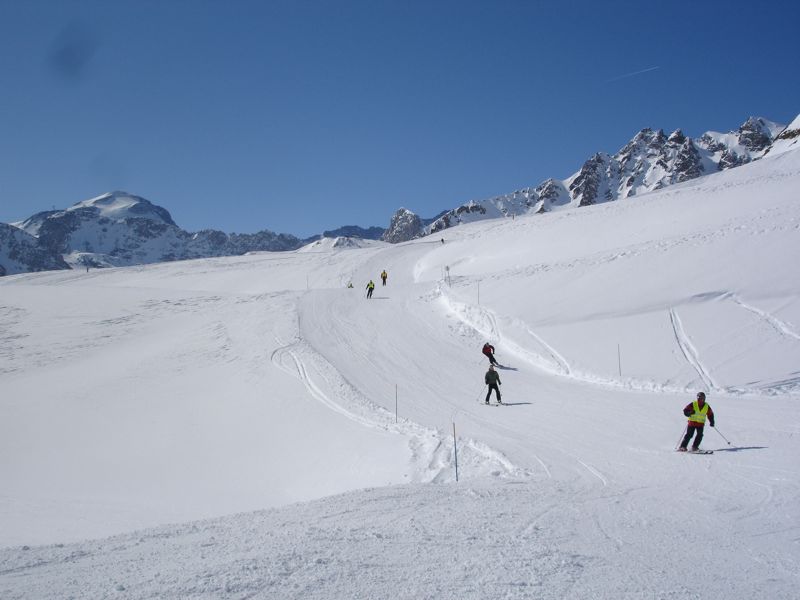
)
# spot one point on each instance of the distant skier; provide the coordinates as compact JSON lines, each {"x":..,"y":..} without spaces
{"x":492,"y":379}
{"x":384,"y":275}
{"x":488,"y":350}
{"x":370,"y":288}
{"x":697,"y":412}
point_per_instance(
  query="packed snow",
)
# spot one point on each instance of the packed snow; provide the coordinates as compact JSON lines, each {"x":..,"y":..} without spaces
{"x":251,"y":427}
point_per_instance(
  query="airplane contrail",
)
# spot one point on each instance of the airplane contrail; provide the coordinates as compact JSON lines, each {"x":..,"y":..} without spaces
{"x":632,"y":74}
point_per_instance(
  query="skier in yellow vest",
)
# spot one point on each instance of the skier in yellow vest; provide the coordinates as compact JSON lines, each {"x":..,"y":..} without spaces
{"x":697,"y":412}
{"x":370,"y":288}
{"x":384,"y":275}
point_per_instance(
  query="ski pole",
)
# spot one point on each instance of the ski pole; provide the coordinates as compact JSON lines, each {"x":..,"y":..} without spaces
{"x":723,"y":437}
{"x":680,"y":439}
{"x":480,"y":393}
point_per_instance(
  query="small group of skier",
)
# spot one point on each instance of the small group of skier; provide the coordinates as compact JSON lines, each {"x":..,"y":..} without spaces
{"x":492,"y":377}
{"x":371,"y":284}
{"x":697,"y":411}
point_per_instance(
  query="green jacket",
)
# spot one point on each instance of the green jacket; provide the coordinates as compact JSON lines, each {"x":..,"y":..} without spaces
{"x":492,"y":376}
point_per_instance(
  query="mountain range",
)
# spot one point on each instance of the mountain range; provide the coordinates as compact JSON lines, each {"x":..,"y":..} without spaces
{"x":121,"y":229}
{"x":650,"y":161}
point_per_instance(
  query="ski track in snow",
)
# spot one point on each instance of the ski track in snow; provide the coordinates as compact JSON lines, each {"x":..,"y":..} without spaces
{"x":485,"y":323}
{"x":689,"y":352}
{"x":781,"y":327}
{"x":594,"y":472}
{"x":432,"y":450}
{"x":551,"y":361}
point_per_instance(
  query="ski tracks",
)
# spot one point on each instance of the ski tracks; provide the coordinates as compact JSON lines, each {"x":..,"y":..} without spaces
{"x":691,"y":354}
{"x":485,"y":324}
{"x":689,"y":351}
{"x":780,"y":326}
{"x":594,"y":472}
{"x":432,"y":450}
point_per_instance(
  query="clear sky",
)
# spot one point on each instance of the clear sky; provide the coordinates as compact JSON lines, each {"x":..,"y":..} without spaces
{"x":304,"y":115}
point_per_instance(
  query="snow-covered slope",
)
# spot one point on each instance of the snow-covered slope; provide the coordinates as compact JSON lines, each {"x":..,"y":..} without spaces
{"x":131,"y":398}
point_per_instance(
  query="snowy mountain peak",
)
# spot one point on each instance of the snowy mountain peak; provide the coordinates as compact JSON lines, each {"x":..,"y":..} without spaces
{"x":756,"y":133}
{"x":404,"y":225}
{"x":121,"y":205}
{"x":676,"y":137}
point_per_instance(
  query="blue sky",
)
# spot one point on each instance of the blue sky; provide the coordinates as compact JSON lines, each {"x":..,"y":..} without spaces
{"x":299,"y":116}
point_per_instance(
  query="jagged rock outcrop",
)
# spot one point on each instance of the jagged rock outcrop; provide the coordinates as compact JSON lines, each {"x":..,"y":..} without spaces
{"x":549,"y":194}
{"x":404,"y":226}
{"x":585,"y":188}
{"x":687,"y":163}
{"x":756,"y":134}
{"x":353,"y":231}
{"x":676,"y":137}
{"x":788,"y":139}
{"x":21,"y":252}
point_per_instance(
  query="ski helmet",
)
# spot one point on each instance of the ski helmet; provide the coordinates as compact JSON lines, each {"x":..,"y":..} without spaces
{"x":701,"y":396}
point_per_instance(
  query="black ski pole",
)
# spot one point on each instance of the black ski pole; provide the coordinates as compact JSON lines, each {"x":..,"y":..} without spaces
{"x":723,"y":437}
{"x":680,"y":439}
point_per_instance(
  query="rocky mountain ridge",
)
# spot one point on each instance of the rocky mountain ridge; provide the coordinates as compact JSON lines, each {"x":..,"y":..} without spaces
{"x":650,"y":161}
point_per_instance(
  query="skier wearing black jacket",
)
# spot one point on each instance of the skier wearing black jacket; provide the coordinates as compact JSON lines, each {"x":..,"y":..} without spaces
{"x":492,"y":379}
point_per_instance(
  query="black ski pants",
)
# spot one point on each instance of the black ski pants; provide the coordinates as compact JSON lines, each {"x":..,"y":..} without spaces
{"x":493,"y":386}
{"x":690,"y":431}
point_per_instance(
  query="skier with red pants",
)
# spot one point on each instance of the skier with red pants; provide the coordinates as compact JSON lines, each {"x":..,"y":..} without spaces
{"x":697,"y":412}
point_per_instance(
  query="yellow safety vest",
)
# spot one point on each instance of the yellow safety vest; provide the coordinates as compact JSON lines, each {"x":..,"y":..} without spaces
{"x":699,"y":415}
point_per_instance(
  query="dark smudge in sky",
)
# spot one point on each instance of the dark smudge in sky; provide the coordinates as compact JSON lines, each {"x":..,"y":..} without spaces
{"x":72,"y":51}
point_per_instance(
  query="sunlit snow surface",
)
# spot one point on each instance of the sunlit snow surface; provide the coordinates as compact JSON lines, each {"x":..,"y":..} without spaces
{"x":182,"y":392}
